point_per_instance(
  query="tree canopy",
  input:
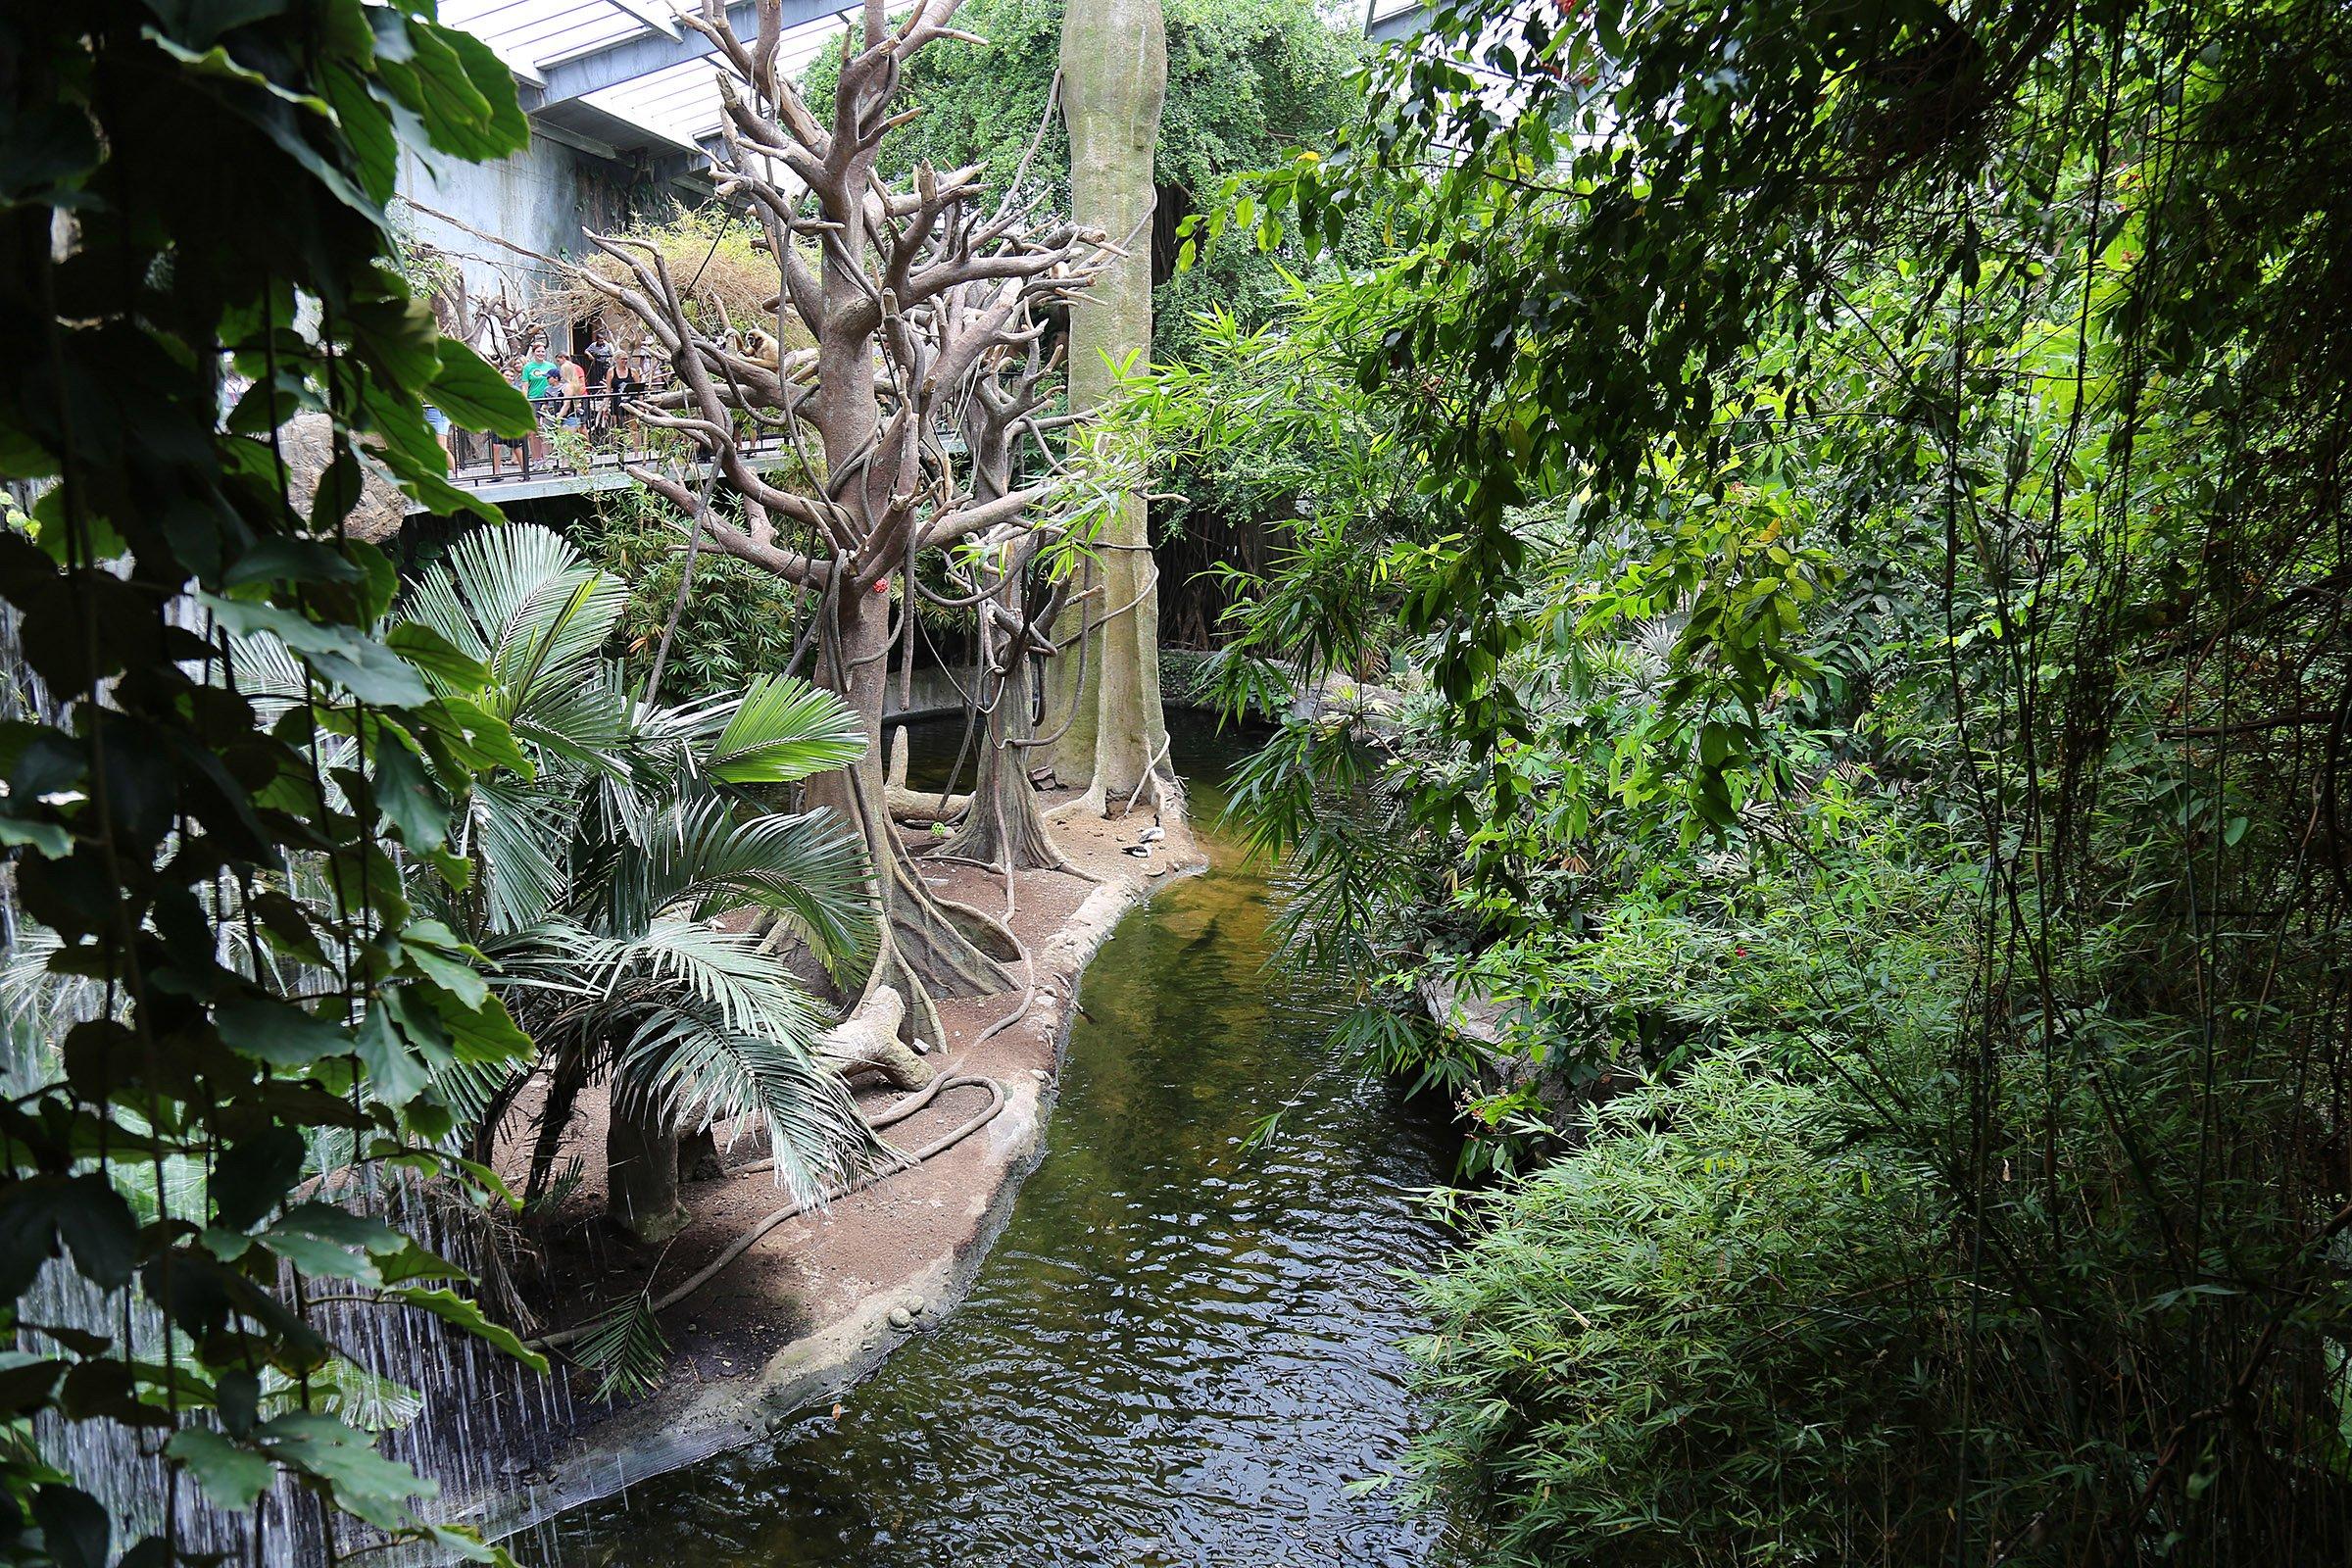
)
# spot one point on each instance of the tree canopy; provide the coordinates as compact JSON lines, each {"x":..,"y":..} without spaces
{"x":1250,"y":84}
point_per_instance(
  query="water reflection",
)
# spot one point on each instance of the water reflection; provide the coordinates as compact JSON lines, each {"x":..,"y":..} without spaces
{"x":1180,"y":1351}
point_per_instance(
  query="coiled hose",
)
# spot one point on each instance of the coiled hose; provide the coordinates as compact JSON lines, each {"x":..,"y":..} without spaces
{"x":743,"y":1242}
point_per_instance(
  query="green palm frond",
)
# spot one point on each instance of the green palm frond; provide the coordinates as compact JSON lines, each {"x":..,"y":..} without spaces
{"x":579,"y":726}
{"x":698,"y":1021}
{"x":718,"y":1027}
{"x":745,"y":991}
{"x":784,"y":730}
{"x":627,"y":1351}
{"x":519,"y":836}
{"x":37,"y":1006}
{"x":521,"y":600}
{"x":700,"y":855}
{"x":268,"y":675}
{"x":467,"y":1088}
{"x":682,"y":1061}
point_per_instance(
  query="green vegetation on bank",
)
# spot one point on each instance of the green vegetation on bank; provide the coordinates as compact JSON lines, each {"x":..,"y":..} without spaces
{"x":1850,"y":496}
{"x":316,"y":877}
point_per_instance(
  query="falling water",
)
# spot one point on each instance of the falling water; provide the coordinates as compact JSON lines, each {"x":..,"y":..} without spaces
{"x":459,"y":1413}
{"x":471,"y":1421}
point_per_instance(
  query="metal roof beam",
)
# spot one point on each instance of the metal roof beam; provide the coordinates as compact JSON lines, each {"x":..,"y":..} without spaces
{"x":648,"y":52}
{"x":655,"y":13}
{"x":1400,"y":23}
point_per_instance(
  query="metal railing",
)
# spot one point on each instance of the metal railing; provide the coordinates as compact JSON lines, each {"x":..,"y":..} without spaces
{"x":602,"y":420}
{"x":602,"y":424}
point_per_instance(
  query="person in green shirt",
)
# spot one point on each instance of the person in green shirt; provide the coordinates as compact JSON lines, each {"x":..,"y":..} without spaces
{"x":539,"y":374}
{"x":529,"y":377}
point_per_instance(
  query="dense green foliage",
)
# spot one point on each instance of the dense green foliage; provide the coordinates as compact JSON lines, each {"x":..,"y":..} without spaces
{"x":1854,"y":508}
{"x":736,"y":620}
{"x":1249,"y":82}
{"x":602,"y":863}
{"x":1682,"y":1338}
{"x":192,"y":191}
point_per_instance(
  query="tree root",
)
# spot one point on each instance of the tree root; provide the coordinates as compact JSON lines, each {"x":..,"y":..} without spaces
{"x":1094,"y":802}
{"x":923,"y":805}
{"x":867,"y":1041}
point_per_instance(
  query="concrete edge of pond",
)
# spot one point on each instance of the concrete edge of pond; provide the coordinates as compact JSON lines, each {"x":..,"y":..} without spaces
{"x":666,"y":1434}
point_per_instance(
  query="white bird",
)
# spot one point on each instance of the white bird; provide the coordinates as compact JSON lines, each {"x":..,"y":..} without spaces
{"x":1153,"y":835}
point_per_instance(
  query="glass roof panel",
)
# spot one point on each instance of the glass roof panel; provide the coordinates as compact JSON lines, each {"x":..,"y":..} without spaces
{"x":540,"y":32}
{"x":681,"y":101}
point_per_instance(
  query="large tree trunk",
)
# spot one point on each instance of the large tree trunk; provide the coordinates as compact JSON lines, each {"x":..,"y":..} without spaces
{"x":1002,"y":823}
{"x":1114,"y":64}
{"x":911,"y":298}
{"x":641,"y":1170}
{"x":925,"y":950}
{"x":1074,"y":684}
{"x":922,"y":953}
{"x":1004,"y":828}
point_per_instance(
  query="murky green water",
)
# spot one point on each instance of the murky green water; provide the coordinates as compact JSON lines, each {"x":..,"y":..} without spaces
{"x":1181,"y":1351}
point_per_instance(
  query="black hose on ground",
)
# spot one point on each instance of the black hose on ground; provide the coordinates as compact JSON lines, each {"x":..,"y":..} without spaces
{"x":744,"y":1242}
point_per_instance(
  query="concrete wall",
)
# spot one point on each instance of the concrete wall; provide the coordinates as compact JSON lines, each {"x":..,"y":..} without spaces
{"x":544,"y":197}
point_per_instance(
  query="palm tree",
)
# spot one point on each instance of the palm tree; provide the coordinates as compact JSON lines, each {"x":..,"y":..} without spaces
{"x":600,"y":869}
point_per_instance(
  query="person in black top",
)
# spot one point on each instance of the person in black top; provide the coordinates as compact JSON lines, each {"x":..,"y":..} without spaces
{"x":599,"y":361}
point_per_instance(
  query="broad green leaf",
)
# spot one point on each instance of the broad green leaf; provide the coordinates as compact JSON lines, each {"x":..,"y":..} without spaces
{"x":277,"y":1032}
{"x":439,"y":658}
{"x":83,"y":1212}
{"x":451,"y":1308}
{"x":233,"y":1477}
{"x":364,"y":1481}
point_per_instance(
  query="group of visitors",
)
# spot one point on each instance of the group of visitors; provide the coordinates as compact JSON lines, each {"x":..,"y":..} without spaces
{"x":582,"y":390}
{"x":587,"y":390}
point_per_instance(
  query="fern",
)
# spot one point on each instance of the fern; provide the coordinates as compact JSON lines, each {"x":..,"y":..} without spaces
{"x":627,"y":1352}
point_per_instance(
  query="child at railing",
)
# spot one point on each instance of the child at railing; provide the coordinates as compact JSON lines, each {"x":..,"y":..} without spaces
{"x":572,"y":374}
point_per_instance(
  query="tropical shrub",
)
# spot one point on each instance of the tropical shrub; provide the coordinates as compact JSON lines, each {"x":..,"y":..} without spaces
{"x":604,"y":861}
{"x":1873,"y":473}
{"x":1692,"y":1340}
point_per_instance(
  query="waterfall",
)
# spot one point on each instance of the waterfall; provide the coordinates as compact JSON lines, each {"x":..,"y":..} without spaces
{"x":457,"y":1413}
{"x":476,"y":1423}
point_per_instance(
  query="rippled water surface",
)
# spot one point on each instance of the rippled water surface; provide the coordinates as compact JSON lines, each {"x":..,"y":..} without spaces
{"x":1181,"y":1351}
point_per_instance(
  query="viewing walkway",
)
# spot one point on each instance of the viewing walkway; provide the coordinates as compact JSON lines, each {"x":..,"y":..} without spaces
{"x":582,"y":446}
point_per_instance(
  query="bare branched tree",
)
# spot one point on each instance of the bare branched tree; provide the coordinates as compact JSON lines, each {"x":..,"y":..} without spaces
{"x":923,"y":305}
{"x":1009,"y":580}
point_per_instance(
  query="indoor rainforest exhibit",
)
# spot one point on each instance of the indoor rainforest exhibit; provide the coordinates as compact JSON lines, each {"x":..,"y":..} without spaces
{"x":1000,"y":783}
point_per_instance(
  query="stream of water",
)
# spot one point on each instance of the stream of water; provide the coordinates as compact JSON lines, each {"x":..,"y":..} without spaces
{"x":1181,"y":1351}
